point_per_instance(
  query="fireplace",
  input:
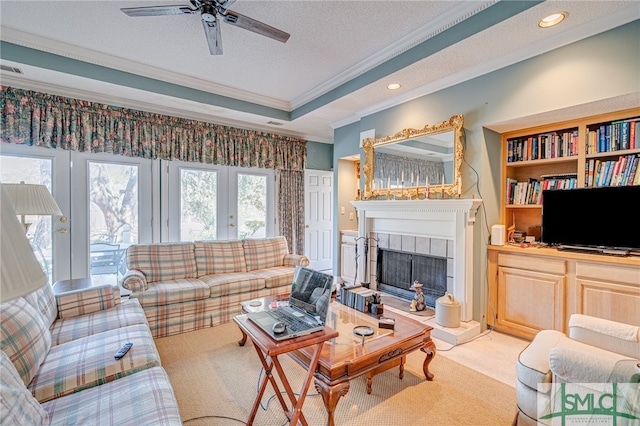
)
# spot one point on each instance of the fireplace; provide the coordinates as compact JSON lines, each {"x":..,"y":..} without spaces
{"x":436,"y":227}
{"x":397,"y":271}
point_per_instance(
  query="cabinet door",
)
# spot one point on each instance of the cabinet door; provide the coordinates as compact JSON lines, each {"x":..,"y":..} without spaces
{"x":348,"y":262}
{"x":608,"y":291}
{"x":529,"y":301}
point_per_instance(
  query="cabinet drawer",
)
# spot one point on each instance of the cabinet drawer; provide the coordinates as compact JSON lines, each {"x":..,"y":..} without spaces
{"x":348,"y":239}
{"x":608,"y":273}
{"x":533,"y":263}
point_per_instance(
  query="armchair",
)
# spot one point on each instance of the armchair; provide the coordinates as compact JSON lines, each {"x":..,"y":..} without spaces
{"x":595,"y":351}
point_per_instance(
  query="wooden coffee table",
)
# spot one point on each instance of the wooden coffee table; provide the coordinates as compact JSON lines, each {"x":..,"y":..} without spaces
{"x":345,"y":357}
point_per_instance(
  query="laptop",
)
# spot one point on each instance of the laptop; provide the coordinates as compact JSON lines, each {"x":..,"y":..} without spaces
{"x":307,"y":309}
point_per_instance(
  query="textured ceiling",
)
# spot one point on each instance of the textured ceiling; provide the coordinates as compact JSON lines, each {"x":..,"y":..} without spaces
{"x":312,"y":78}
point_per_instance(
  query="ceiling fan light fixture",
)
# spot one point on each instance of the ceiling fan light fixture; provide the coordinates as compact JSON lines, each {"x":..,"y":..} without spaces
{"x":553,"y":19}
{"x":208,"y":13}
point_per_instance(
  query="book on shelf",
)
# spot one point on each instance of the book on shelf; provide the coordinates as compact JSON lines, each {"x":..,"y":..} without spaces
{"x":615,"y":136}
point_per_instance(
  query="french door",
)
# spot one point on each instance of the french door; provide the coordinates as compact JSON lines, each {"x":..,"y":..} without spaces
{"x":207,"y":202}
{"x":49,"y":236}
{"x":106,"y":201}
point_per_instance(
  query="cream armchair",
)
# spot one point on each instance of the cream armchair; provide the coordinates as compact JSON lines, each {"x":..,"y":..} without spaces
{"x":595,"y":351}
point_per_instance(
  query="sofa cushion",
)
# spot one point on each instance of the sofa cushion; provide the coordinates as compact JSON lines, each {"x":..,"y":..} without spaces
{"x":89,"y":361}
{"x":220,"y":257}
{"x":129,"y":312}
{"x":17,"y":405}
{"x":233,"y":283}
{"x":162,"y":262}
{"x":277,"y":276}
{"x":173,"y":291}
{"x":605,"y":334}
{"x":25,"y":338}
{"x":144,"y":398}
{"x":44,"y":301}
{"x":265,"y":252}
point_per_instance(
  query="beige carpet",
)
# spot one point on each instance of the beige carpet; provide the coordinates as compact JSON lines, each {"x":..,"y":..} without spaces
{"x":215,"y":383}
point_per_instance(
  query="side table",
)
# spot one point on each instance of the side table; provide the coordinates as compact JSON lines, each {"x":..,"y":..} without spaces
{"x":74,"y":284}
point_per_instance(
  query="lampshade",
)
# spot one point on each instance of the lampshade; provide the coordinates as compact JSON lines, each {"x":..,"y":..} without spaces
{"x":20,"y":272}
{"x":30,"y":199}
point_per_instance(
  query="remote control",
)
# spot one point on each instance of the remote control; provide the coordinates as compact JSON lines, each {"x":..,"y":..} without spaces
{"x":123,"y":350}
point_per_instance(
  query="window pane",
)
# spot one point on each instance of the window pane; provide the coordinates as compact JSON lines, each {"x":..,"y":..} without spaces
{"x":252,"y":206}
{"x":113,"y":217}
{"x":198,"y":215}
{"x":14,"y":169}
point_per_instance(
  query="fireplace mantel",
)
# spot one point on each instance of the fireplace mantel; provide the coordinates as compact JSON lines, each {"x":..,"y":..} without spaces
{"x":450,"y":219}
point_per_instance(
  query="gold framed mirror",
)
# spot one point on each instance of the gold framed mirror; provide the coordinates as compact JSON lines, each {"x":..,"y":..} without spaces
{"x":415,"y":163}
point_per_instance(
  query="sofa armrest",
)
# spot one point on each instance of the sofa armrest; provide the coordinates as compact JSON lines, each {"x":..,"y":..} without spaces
{"x":295,"y":260}
{"x":135,"y":281}
{"x":605,"y":334}
{"x":74,"y":303}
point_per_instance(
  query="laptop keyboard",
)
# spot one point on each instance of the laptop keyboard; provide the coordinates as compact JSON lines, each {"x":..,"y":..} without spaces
{"x":293,"y":324}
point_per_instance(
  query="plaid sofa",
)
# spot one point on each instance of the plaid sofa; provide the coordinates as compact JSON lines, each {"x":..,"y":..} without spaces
{"x":57,"y":364}
{"x":187,"y":286}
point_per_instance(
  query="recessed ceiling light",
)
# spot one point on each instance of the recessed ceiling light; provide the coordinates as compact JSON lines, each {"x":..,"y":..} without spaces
{"x":553,"y":19}
{"x":393,"y":86}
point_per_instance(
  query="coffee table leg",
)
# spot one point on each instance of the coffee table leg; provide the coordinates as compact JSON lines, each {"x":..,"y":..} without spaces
{"x":242,"y":341}
{"x":330,"y":396}
{"x":430,"y":349}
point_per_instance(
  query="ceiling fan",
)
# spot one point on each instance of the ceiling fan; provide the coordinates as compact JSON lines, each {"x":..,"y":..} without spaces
{"x":212,"y":12}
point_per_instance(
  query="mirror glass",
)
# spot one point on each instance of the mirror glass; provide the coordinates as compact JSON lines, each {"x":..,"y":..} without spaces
{"x":415,"y":163}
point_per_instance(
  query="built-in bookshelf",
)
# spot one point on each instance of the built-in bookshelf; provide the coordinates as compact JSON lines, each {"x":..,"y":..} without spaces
{"x":601,"y":150}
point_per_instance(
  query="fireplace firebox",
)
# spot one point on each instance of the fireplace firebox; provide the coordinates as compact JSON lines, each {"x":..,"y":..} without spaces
{"x":397,"y":270}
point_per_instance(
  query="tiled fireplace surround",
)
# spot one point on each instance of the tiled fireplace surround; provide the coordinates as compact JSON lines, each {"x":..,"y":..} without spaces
{"x":437,"y":227}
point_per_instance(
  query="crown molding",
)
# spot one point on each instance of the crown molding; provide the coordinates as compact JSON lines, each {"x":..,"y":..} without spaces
{"x":420,"y":35}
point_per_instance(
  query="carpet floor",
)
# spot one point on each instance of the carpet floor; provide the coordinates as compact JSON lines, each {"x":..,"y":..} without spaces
{"x":215,"y":383}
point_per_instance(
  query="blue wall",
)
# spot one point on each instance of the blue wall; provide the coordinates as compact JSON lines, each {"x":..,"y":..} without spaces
{"x":319,"y":156}
{"x":591,"y":70}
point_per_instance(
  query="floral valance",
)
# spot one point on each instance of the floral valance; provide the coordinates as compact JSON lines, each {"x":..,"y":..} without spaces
{"x":51,"y":121}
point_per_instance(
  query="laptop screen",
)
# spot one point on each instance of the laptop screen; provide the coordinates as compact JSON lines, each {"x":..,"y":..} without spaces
{"x":311,"y":291}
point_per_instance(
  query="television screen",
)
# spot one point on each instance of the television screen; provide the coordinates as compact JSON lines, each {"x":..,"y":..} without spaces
{"x":604,"y":217}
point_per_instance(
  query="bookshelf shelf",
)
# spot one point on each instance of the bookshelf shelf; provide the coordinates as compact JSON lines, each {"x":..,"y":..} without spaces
{"x":565,"y":152}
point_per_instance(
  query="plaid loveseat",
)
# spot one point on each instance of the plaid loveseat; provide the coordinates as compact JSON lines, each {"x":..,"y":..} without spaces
{"x":57,"y":364}
{"x":187,"y":286}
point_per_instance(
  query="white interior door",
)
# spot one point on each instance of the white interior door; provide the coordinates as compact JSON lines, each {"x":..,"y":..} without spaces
{"x":318,"y":208}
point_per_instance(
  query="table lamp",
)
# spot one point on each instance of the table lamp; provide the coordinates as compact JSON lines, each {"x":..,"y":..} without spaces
{"x":31,"y":199}
{"x":20,"y":271}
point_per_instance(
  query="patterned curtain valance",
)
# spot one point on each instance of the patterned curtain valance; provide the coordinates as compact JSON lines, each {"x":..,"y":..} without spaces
{"x":51,"y":121}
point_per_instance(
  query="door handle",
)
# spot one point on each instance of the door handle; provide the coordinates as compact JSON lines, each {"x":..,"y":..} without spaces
{"x":63,"y":219}
{"x":307,"y":226}
{"x":62,"y":230}
{"x":231,"y":225}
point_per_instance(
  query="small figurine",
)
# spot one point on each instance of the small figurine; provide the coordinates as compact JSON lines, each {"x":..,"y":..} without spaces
{"x":418,"y":303}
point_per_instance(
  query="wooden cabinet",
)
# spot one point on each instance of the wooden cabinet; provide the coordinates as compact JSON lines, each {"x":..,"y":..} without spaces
{"x":531,"y":292}
{"x":563,"y":154}
{"x":533,"y":289}
{"x":348,"y":255}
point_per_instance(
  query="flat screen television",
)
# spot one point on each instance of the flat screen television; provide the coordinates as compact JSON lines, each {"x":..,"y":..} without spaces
{"x":605,"y":219}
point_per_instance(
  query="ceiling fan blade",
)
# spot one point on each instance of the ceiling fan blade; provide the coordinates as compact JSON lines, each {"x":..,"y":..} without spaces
{"x":214,"y":36}
{"x":159,"y":10}
{"x":258,"y":27}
